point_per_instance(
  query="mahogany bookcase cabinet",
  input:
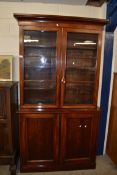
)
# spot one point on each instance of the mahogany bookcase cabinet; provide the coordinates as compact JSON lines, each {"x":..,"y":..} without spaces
{"x":59,"y":76}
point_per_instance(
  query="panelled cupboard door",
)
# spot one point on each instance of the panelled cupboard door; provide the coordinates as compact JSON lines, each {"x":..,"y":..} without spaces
{"x":78,"y":139}
{"x":80,"y":64}
{"x":39,"y":141}
{"x":40,"y":66}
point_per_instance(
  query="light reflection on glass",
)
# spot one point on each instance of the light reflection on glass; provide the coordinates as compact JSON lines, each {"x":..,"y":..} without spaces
{"x":31,"y":41}
{"x":43,"y":60}
{"x":85,"y":43}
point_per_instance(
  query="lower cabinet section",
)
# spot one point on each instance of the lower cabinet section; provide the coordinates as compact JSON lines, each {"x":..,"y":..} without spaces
{"x":58,"y":140}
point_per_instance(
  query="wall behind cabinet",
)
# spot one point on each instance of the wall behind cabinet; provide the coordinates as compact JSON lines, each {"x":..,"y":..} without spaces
{"x":9,"y":35}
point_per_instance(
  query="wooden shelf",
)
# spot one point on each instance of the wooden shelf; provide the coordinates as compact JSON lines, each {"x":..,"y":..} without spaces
{"x":30,"y":88}
{"x":81,"y":68}
{"x":39,"y":85}
{"x":40,"y":67}
{"x":38,"y":57}
{"x":80,"y":82}
{"x":38,"y":80}
{"x":82,"y":47}
{"x":77,"y":85}
{"x":81,"y":57}
{"x":40,"y":46}
{"x":3,"y":121}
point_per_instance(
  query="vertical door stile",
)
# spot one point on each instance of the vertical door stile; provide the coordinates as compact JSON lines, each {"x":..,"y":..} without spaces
{"x":97,"y":67}
{"x":64,"y":46}
{"x":58,"y":71}
{"x":21,"y":64}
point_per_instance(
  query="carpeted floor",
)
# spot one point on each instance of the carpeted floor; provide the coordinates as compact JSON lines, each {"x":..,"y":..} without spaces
{"x":104,"y":167}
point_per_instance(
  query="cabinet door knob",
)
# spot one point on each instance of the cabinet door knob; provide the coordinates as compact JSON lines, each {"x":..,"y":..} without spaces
{"x":63,"y":80}
{"x":85,"y":126}
{"x":80,"y":126}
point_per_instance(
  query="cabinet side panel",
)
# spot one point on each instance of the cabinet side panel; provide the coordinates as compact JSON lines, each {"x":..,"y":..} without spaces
{"x":2,"y":103}
{"x":4,"y":145}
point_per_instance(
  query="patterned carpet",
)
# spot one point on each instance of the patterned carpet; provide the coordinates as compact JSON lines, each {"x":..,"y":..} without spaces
{"x":104,"y":167}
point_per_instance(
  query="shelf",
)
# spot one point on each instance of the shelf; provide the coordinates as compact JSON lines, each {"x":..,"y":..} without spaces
{"x":3,"y":120}
{"x":81,"y":47}
{"x":40,"y":67}
{"x":67,"y":68}
{"x":38,"y":80}
{"x":40,"y":46}
{"x":81,"y":68}
{"x":82,"y":58}
{"x":39,"y":85}
{"x":39,"y":96}
{"x":80,"y":82}
{"x":37,"y":57}
{"x":47,"y":89}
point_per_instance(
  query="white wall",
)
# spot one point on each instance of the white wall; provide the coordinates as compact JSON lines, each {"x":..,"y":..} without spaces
{"x":9,"y":30}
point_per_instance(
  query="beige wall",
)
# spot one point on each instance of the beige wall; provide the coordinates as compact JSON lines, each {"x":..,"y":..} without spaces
{"x":9,"y":34}
{"x":9,"y":30}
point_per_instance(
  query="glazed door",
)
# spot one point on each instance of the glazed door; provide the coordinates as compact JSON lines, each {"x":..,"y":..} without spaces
{"x":79,"y":68}
{"x":78,"y":139}
{"x":39,"y":67}
{"x":39,"y":141}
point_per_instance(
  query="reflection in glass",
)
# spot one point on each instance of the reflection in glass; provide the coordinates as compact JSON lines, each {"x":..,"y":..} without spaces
{"x":40,"y":67}
{"x":81,"y":56}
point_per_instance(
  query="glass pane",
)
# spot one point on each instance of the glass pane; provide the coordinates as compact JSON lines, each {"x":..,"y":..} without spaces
{"x":40,"y":67}
{"x":81,"y":55}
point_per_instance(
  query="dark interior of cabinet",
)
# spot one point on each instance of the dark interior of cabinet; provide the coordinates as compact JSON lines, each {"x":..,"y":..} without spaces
{"x":81,"y":56}
{"x":40,"y":67}
{"x":40,"y":71}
